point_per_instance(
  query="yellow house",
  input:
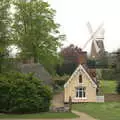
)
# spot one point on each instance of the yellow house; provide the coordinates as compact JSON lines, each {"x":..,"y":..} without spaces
{"x":81,"y":87}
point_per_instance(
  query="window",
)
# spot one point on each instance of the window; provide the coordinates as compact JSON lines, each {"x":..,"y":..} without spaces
{"x":80,"y":78}
{"x":80,"y":92}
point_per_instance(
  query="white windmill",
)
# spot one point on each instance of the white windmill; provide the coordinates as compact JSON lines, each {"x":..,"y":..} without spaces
{"x":97,"y":37}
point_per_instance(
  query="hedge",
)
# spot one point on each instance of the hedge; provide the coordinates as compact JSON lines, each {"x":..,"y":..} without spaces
{"x":21,"y":93}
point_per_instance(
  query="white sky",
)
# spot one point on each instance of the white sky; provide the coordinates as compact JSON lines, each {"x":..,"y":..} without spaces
{"x":73,"y":16}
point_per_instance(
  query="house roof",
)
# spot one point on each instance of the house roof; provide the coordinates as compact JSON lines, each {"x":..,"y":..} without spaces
{"x":38,"y":70}
{"x":77,"y":71}
{"x":86,"y":68}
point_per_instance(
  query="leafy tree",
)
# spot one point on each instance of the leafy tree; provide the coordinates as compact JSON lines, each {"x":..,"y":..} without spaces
{"x":71,"y":53}
{"x":36,"y":32}
{"x":71,"y":59}
{"x":22,"y":93}
{"x":4,"y":30}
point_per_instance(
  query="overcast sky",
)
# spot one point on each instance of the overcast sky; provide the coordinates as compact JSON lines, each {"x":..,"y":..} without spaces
{"x":73,"y":16}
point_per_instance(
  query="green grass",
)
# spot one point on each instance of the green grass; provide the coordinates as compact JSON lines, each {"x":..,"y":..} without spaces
{"x":108,"y":86}
{"x":41,"y":115}
{"x":101,"y":111}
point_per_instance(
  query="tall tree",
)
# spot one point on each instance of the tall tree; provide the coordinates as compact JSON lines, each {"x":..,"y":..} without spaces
{"x":36,"y":32}
{"x":71,"y":59}
{"x":71,"y":53}
{"x":4,"y":30}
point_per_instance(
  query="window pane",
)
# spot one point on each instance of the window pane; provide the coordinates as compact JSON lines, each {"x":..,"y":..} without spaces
{"x":80,"y":93}
{"x":80,"y":78}
{"x":77,"y":94}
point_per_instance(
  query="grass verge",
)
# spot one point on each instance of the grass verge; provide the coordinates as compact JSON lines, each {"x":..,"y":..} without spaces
{"x":101,"y":111}
{"x":41,"y":115}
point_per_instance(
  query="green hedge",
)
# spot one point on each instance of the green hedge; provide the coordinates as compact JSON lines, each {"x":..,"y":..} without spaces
{"x":108,"y":74}
{"x":20,"y":93}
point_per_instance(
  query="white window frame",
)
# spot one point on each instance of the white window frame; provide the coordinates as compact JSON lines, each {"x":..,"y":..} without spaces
{"x":78,"y":92}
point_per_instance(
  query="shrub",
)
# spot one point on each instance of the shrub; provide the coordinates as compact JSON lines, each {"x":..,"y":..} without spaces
{"x":61,"y":80}
{"x":118,"y":87}
{"x":108,"y":74}
{"x":22,"y":93}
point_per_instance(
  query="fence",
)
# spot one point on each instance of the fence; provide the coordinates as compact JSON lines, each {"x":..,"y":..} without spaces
{"x":100,"y":98}
{"x":112,"y":98}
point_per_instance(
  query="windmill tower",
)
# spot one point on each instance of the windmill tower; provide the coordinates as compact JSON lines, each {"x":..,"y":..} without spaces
{"x":97,"y":38}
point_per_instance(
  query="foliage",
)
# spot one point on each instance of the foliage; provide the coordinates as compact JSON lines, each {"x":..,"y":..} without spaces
{"x":4,"y":30}
{"x":108,"y":86}
{"x":71,"y":59}
{"x":117,"y":64}
{"x":20,"y":93}
{"x":60,"y":80}
{"x":71,"y":53}
{"x":108,"y":74}
{"x":118,"y":87}
{"x":100,"y":63}
{"x":66,"y":68}
{"x":117,"y":70}
{"x":101,"y":111}
{"x":91,"y":63}
{"x":41,"y":115}
{"x":36,"y":33}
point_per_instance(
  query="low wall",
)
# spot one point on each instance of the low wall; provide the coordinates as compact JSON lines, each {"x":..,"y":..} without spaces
{"x":100,"y":98}
{"x":112,"y":98}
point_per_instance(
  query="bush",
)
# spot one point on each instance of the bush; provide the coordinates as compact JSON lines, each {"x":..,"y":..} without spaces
{"x":118,"y":87}
{"x":21,"y":93}
{"x":61,"y":80}
{"x":108,"y":74}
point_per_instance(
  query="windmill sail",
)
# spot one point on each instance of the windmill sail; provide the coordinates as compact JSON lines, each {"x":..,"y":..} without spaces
{"x":89,"y":28}
{"x":93,"y":34}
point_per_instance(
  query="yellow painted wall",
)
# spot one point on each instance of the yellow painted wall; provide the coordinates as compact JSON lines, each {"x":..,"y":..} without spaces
{"x":70,"y":88}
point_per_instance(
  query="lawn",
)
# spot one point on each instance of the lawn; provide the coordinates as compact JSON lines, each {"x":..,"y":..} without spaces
{"x":101,"y":111}
{"x":41,"y":115}
{"x":108,"y":86}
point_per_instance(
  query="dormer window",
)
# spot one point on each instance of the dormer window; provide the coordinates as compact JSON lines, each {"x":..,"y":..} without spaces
{"x":80,"y":78}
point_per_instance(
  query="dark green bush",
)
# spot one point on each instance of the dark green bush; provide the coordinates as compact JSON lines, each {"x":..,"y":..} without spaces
{"x":21,"y":93}
{"x":118,"y":87}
